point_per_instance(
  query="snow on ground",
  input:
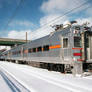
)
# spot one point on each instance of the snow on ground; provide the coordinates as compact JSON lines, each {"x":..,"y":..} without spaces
{"x":3,"y":85}
{"x":42,"y":80}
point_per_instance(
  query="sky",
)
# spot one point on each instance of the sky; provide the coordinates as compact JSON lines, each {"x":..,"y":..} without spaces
{"x":37,"y":16}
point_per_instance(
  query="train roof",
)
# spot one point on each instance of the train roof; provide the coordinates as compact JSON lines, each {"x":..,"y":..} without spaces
{"x":59,"y":31}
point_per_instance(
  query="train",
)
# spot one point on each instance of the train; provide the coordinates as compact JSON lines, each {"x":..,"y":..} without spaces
{"x":68,"y":49}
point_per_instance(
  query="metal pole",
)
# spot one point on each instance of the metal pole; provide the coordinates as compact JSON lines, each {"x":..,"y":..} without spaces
{"x":26,"y":36}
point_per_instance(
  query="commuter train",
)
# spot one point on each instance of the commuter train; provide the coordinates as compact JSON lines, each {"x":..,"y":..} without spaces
{"x":67,"y":49}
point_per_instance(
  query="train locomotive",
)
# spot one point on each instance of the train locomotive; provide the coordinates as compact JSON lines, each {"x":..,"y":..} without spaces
{"x":67,"y":49}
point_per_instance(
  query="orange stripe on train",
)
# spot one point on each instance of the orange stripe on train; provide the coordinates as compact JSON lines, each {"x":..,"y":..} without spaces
{"x":25,"y":51}
{"x":55,"y":46}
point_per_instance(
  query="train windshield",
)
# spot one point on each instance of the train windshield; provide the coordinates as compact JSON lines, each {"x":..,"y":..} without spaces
{"x":77,"y":41}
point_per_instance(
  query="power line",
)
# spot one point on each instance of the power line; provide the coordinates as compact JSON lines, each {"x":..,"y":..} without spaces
{"x":70,"y":12}
{"x":14,"y":14}
{"x":66,"y":13}
{"x":55,"y":19}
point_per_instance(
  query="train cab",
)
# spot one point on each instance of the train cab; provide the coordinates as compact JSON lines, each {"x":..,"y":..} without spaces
{"x":82,"y":50}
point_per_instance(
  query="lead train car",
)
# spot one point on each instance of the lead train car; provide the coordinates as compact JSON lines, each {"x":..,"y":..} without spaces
{"x":65,"y":50}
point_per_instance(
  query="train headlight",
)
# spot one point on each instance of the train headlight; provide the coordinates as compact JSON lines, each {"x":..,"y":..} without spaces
{"x":74,"y":59}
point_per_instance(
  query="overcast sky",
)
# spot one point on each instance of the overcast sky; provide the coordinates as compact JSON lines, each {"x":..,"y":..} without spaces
{"x":33,"y":14}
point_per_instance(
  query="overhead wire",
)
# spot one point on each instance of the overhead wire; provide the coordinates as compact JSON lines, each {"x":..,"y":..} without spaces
{"x":13,"y":15}
{"x":46,"y":24}
{"x":66,"y":13}
{"x":61,"y":16}
{"x":57,"y":18}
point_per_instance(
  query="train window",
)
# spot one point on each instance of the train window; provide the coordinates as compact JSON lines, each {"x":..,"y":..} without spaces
{"x":46,"y":48}
{"x":34,"y":49}
{"x":13,"y":53}
{"x":29,"y":50}
{"x":39,"y":49}
{"x":65,"y":42}
{"x":87,"y":40}
{"x":19,"y":52}
{"x":77,"y":41}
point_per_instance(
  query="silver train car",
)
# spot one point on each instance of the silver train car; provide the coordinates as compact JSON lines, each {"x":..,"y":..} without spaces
{"x":67,"y":49}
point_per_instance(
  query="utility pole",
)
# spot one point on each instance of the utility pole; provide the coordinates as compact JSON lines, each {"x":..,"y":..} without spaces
{"x":26,"y":36}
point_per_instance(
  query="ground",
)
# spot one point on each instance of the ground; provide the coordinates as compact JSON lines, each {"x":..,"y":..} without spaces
{"x":24,"y":78}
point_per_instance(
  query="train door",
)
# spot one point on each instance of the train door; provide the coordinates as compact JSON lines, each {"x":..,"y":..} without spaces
{"x":22,"y":52}
{"x":66,"y":57}
{"x":25,"y":52}
{"x":87,"y":50}
{"x":88,"y":46}
{"x":65,"y":51}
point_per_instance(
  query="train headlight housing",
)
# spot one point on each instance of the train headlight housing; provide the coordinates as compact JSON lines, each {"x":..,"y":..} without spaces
{"x":74,"y":59}
{"x":75,"y":31}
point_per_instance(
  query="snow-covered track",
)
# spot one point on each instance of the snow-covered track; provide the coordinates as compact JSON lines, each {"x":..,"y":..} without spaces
{"x":12,"y":83}
{"x":61,"y":83}
{"x":41,"y":80}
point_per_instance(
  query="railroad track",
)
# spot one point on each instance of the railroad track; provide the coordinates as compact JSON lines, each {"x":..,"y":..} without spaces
{"x":12,"y":83}
{"x":46,"y":81}
{"x":61,"y":83}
